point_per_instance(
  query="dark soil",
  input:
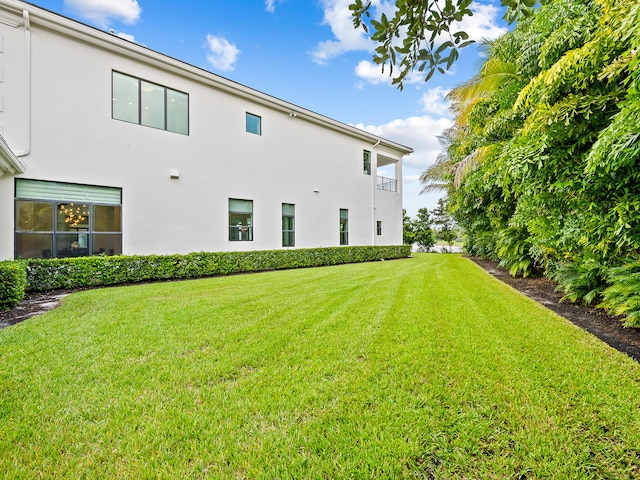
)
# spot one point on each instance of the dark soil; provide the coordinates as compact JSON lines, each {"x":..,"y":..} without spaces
{"x":606,"y":327}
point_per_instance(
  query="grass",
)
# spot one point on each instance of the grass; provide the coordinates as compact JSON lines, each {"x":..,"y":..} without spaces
{"x":418,"y":368}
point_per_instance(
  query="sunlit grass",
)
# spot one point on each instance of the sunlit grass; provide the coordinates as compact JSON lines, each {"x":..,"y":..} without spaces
{"x":425,"y":367}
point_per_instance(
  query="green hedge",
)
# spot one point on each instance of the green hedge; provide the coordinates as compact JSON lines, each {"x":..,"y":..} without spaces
{"x":51,"y":274}
{"x":12,"y":283}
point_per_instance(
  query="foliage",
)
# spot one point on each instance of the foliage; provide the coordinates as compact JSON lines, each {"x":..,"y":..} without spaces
{"x":582,"y":280}
{"x":422,"y":225}
{"x":622,"y":297}
{"x":422,"y":34}
{"x":513,"y":251}
{"x":12,"y":283}
{"x":408,"y":229}
{"x":541,"y":164}
{"x":49,"y":274}
{"x":445,"y":228}
{"x":376,"y":370}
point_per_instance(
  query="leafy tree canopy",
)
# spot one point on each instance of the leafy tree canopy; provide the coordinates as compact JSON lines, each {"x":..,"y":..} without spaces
{"x":423,"y":34}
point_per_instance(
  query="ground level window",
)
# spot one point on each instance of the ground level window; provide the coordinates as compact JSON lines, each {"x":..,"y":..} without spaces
{"x":288,"y":225}
{"x":56,"y":219}
{"x":379,"y":227}
{"x":240,"y":220}
{"x":344,"y":226}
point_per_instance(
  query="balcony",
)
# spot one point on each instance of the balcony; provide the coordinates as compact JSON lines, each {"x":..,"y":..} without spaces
{"x":387,"y":184}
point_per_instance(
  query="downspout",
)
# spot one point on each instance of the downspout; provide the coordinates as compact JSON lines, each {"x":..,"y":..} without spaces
{"x":27,"y":69}
{"x":374,"y":227}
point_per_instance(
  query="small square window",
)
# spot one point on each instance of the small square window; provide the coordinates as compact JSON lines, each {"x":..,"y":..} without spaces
{"x":254,"y":124}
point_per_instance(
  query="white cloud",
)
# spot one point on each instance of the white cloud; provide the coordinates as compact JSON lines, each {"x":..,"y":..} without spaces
{"x":372,"y":73}
{"x":102,"y":12}
{"x":126,"y":36}
{"x":434,"y":101}
{"x":270,"y":5}
{"x":483,"y":23}
{"x":222,"y":54}
{"x":346,"y":38}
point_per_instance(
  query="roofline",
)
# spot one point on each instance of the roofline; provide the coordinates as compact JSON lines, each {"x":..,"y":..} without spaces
{"x":72,"y":28}
{"x":9,"y":163}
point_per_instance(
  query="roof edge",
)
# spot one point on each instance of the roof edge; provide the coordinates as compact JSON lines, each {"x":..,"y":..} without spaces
{"x":9,"y":162}
{"x":106,"y":40}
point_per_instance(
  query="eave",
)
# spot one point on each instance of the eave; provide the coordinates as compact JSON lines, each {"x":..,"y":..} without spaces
{"x":9,"y":163}
{"x":139,"y":53}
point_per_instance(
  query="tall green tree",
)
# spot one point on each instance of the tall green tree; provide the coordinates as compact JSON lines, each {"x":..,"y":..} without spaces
{"x":423,"y":232}
{"x":408,"y":229}
{"x":445,"y":227}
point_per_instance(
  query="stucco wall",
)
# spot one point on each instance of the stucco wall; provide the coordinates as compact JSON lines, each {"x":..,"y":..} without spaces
{"x":74,"y":139}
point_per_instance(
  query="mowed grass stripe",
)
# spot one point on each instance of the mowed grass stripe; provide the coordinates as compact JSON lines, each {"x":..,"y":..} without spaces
{"x":425,"y":367}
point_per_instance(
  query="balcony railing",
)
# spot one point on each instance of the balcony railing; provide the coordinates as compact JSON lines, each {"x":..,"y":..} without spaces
{"x":387,"y":184}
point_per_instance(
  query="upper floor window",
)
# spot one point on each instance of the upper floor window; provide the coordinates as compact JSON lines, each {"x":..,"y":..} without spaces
{"x":145,"y":103}
{"x":366,"y":162}
{"x":240,"y":220}
{"x":288,"y":225}
{"x":254,"y":124}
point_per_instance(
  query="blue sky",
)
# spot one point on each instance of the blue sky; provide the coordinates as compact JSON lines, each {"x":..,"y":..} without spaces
{"x":304,"y":52}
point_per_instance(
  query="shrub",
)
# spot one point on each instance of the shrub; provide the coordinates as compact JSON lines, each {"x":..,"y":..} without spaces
{"x":12,"y":284}
{"x":50,"y":274}
{"x":622,"y":297}
{"x":513,"y":251}
{"x":581,"y":280}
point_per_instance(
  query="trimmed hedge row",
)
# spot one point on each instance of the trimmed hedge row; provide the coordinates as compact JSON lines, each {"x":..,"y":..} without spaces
{"x":12,"y":283}
{"x":51,"y":274}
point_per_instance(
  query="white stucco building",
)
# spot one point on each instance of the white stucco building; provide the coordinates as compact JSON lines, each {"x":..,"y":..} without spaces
{"x":109,"y":147}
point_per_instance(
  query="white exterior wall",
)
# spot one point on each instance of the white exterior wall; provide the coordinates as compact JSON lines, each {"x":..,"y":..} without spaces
{"x":312,"y":162}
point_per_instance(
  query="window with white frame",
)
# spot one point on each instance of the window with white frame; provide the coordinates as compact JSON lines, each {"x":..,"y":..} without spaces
{"x":146,"y":103}
{"x":379,"y":227}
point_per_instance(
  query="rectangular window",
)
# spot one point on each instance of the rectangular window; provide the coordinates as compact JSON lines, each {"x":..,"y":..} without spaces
{"x":149,"y":104}
{"x":366,"y":162}
{"x":254,"y":124}
{"x":56,"y":219}
{"x":152,"y":103}
{"x":344,"y":226}
{"x":379,"y":227}
{"x":240,"y":220}
{"x":288,"y":225}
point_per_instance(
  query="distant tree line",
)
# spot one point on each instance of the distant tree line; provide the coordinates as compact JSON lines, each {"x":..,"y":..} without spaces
{"x":429,"y":227}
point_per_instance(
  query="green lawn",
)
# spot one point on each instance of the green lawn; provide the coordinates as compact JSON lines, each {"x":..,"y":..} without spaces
{"x":418,"y":368}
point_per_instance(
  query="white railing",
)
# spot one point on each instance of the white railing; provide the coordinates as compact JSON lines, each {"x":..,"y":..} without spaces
{"x":387,"y":184}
